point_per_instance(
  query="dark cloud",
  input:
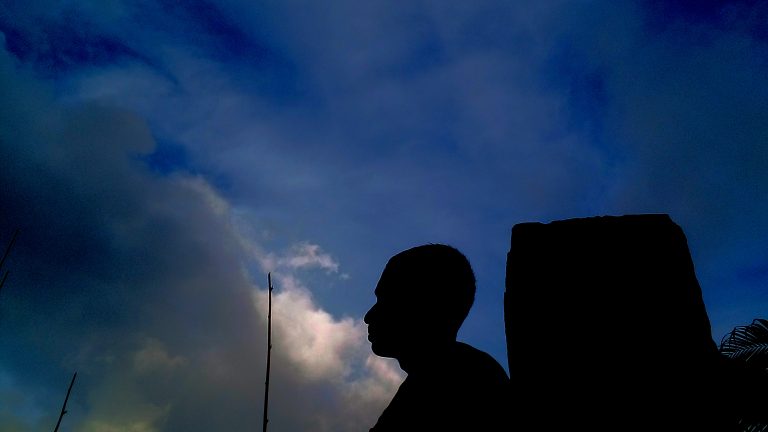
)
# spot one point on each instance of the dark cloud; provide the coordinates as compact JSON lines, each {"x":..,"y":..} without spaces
{"x":139,"y":281}
{"x":179,"y":148}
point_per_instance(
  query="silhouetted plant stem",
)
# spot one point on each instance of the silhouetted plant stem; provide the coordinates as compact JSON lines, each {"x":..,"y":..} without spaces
{"x":5,"y":255}
{"x":64,"y":406}
{"x":269,"y":352}
{"x":2,"y":282}
{"x":8,"y":248}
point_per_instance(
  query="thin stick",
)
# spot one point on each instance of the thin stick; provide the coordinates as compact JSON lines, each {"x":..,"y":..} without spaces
{"x":5,"y":255}
{"x":8,"y":248}
{"x":64,"y":407}
{"x":2,"y":282}
{"x":269,"y":352}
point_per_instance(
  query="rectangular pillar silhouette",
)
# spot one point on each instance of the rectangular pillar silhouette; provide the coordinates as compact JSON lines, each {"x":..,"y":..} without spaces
{"x":606,"y":328}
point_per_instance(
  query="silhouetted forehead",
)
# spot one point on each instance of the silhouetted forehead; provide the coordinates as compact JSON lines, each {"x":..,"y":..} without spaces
{"x":400,"y":277}
{"x":426,"y":261}
{"x":389,"y":281}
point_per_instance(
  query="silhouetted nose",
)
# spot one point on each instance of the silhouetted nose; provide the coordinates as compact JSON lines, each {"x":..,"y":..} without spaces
{"x":369,"y":315}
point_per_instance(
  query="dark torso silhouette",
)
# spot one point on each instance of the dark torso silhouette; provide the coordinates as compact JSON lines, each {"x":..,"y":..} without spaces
{"x":464,"y":390}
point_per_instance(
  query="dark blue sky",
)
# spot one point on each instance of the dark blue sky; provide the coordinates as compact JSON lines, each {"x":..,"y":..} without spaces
{"x":160,"y":157}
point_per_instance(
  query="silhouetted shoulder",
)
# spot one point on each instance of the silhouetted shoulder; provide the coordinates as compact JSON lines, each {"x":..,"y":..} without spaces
{"x":422,"y":298}
{"x":477,"y":366}
{"x":466,"y":389}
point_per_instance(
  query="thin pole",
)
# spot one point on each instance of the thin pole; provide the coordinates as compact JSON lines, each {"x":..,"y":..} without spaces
{"x":8,"y":248}
{"x":2,"y":282}
{"x":269,"y":352}
{"x":5,"y":255}
{"x":64,"y":407}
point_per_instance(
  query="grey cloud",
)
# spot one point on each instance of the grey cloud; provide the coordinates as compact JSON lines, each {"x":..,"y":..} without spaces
{"x":140,"y":283}
{"x":350,"y":162}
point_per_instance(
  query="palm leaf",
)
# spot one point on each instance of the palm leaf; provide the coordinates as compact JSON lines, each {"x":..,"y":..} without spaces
{"x":748,"y":345}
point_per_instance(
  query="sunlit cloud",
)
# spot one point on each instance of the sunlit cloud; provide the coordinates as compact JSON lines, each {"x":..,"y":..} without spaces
{"x":307,"y":255}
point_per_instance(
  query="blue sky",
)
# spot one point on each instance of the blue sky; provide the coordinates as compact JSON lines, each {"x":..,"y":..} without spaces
{"x":160,"y":157}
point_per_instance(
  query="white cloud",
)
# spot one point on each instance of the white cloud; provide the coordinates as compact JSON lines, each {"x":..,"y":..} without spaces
{"x":319,"y":345}
{"x":308,"y":255}
{"x":372,"y":392}
{"x":311,"y":338}
{"x":300,"y":256}
{"x":321,"y":349}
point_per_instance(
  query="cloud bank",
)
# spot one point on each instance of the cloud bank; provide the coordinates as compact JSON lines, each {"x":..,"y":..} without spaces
{"x":160,"y":158}
{"x":147,"y":291}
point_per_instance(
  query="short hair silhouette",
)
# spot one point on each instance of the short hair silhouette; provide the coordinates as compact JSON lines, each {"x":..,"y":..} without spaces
{"x":439,"y":275}
{"x":422,"y":298}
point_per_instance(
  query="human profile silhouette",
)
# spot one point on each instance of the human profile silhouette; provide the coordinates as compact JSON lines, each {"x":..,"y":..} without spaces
{"x":422,"y":298}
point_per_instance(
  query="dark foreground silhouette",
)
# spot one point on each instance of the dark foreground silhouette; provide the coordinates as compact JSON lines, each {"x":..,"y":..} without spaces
{"x":746,"y":348}
{"x":422,"y":298}
{"x":607,"y":330}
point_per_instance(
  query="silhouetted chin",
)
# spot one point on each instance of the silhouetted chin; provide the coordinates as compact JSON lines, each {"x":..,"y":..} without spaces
{"x":381,"y":350}
{"x":377,"y":350}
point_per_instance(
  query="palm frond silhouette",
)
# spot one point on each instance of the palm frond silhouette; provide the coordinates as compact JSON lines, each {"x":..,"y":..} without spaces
{"x":747,"y":347}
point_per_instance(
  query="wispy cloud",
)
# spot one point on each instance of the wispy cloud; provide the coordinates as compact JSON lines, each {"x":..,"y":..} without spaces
{"x":307,"y":255}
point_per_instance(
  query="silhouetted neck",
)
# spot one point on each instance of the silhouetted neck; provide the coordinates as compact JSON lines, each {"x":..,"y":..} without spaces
{"x":424,"y":358}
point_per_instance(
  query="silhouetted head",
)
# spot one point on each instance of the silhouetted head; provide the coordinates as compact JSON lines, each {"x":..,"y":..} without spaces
{"x":422,"y":298}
